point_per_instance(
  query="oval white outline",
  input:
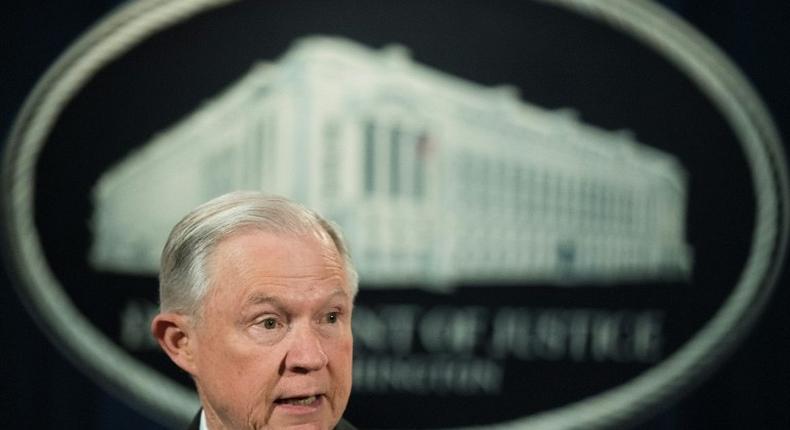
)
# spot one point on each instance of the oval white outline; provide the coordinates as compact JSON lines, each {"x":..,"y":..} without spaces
{"x":172,"y":403}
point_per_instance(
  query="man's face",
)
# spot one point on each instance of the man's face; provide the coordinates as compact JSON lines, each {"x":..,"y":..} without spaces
{"x":274,"y":346}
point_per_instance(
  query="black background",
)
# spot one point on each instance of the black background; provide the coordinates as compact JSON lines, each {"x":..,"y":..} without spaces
{"x":40,"y":389}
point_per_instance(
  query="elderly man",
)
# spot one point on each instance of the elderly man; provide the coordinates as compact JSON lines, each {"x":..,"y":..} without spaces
{"x":256,"y":298}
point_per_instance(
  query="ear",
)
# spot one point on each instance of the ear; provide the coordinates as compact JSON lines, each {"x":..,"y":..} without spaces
{"x":175,"y":334}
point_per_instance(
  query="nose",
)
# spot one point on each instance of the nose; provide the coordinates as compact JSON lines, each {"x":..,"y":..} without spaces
{"x":306,"y":353}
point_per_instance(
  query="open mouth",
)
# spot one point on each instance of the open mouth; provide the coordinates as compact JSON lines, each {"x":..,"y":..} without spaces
{"x":298,"y":401}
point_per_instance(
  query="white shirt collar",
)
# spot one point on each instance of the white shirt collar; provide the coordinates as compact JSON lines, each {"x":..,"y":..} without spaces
{"x":203,"y":425}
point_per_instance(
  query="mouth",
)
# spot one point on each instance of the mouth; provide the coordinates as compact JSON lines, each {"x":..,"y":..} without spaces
{"x":310,"y":401}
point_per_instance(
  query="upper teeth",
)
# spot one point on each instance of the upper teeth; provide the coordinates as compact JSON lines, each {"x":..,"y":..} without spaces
{"x":304,"y":401}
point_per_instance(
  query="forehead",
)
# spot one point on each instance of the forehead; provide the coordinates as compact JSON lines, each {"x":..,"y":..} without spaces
{"x":266,"y":258}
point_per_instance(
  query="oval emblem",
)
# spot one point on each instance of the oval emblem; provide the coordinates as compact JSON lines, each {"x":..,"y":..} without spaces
{"x":587,"y":199}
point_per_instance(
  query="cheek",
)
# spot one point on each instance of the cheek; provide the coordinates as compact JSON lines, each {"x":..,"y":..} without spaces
{"x":342,"y":358}
{"x":257,"y":374}
{"x":240,"y":373}
{"x":254,"y":380}
{"x":343,"y":344}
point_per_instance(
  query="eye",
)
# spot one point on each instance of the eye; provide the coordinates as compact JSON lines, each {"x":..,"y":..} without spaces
{"x":269,"y":323}
{"x":332,"y":317}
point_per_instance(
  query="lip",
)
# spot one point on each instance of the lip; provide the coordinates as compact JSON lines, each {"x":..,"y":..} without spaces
{"x":297,"y":409}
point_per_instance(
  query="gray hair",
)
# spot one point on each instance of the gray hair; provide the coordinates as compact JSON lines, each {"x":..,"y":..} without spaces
{"x":183,"y":276}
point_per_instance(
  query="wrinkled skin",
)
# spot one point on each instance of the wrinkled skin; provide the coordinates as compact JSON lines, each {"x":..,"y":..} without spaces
{"x":275,"y":325}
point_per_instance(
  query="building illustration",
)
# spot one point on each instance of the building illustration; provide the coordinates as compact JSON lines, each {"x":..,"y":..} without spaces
{"x":434,"y":180}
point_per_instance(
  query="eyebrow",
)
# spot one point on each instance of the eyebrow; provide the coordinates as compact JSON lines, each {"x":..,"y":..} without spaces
{"x":259,"y":299}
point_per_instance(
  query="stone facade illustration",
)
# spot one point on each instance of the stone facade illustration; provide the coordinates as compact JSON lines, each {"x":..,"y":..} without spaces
{"x":436,"y":181}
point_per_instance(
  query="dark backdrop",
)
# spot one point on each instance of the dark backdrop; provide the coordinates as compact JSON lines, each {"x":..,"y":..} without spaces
{"x":40,"y":389}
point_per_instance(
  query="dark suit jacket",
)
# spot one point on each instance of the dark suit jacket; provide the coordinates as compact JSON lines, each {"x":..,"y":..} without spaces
{"x":342,"y":425}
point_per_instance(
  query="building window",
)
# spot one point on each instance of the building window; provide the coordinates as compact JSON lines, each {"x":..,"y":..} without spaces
{"x":331,"y":161}
{"x":422,"y":149}
{"x":395,"y":161}
{"x":369,"y":161}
